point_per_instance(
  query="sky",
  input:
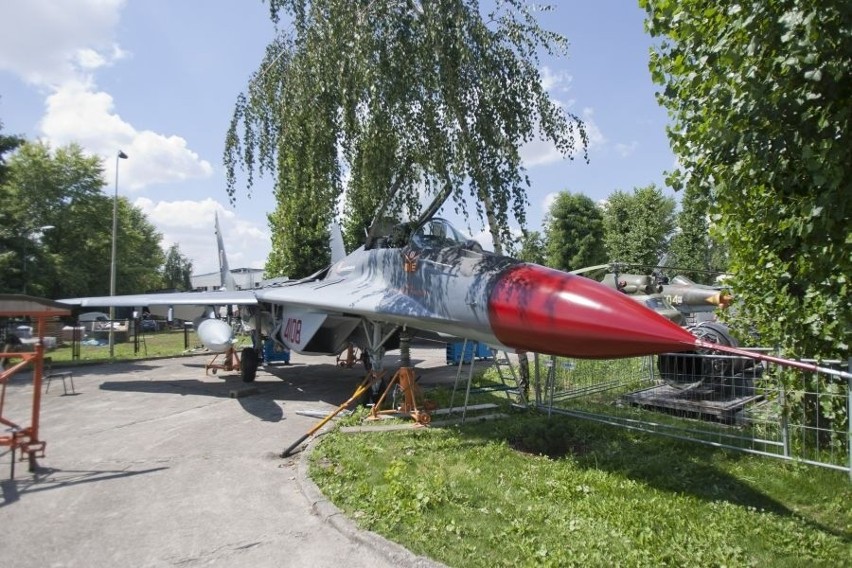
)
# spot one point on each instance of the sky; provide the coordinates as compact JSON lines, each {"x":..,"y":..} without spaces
{"x":158,"y":79}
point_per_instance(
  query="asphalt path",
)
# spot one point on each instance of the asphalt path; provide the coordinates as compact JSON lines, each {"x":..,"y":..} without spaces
{"x":154,"y":463}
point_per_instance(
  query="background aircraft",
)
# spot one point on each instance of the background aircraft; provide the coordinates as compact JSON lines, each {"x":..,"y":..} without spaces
{"x":677,"y":298}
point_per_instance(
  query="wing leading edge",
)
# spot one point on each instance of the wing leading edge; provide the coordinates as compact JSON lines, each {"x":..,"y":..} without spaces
{"x":216,"y":298}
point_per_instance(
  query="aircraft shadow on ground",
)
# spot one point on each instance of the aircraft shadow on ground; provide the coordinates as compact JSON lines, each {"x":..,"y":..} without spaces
{"x":98,"y":370}
{"x":276,"y":387}
{"x":692,"y":474}
{"x":46,"y":479}
{"x":25,"y":377}
{"x":261,"y":404}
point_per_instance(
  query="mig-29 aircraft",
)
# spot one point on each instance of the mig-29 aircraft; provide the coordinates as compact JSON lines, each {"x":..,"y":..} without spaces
{"x":429,"y":279}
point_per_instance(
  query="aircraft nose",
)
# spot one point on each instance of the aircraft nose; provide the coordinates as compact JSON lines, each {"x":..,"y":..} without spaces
{"x":542,"y":310}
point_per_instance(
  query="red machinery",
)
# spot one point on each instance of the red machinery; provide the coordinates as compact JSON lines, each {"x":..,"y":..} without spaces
{"x":26,"y":438}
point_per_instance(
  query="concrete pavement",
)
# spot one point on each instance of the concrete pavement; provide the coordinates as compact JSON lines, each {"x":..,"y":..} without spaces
{"x":152,"y":463}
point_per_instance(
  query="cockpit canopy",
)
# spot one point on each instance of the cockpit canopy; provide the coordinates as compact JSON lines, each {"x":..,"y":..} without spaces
{"x":436,"y":233}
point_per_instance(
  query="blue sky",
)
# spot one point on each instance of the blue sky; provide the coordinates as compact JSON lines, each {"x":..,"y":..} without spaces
{"x":158,"y":80}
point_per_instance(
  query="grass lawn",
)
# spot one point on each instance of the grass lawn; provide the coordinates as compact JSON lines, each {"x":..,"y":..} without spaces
{"x":533,"y":491}
{"x":165,"y":343}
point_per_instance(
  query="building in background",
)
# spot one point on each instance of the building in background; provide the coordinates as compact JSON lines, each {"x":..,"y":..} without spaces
{"x":244,"y":278}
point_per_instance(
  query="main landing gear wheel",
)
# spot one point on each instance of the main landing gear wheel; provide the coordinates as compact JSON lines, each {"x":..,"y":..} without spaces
{"x":249,"y":364}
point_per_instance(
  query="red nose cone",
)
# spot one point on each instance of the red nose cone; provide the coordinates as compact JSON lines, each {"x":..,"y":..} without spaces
{"x":546,"y":311}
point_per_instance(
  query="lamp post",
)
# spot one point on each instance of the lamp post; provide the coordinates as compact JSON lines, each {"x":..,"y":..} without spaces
{"x":33,"y":231}
{"x":123,"y":156}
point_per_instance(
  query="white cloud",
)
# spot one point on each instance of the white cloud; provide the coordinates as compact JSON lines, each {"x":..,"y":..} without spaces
{"x":625,"y":150}
{"x":190,"y":225}
{"x":555,"y":81}
{"x":548,"y":201}
{"x":47,"y":42}
{"x":483,"y":237}
{"x":58,"y":46}
{"x":75,"y":112}
{"x":596,"y":137}
{"x":539,"y":152}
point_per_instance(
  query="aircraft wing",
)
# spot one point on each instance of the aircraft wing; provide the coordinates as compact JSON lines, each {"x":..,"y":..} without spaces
{"x":215,"y":298}
{"x":340,"y":297}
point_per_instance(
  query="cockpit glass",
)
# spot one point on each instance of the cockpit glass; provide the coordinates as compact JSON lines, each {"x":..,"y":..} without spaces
{"x":437,"y":233}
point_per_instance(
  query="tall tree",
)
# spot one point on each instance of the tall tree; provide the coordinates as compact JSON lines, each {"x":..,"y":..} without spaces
{"x":8,"y":233}
{"x":177,"y":270}
{"x":532,"y":248}
{"x":140,"y":257}
{"x":574,"y":232}
{"x":403,"y":100}
{"x":8,"y":144}
{"x":63,"y":190}
{"x":638,"y":225}
{"x":761,"y":99}
{"x":692,"y":250}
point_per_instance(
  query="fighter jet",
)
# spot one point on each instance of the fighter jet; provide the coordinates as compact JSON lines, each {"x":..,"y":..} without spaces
{"x":429,"y":279}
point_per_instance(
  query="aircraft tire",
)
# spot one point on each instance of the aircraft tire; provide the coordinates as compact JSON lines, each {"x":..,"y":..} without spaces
{"x":248,"y":364}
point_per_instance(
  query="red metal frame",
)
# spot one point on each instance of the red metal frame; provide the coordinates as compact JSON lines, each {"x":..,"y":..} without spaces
{"x":26,"y":438}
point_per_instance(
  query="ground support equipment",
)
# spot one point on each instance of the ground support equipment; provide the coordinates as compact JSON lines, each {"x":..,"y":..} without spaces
{"x":231,"y":362}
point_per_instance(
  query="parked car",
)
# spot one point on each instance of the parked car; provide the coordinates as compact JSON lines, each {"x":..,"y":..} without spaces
{"x":94,"y":321}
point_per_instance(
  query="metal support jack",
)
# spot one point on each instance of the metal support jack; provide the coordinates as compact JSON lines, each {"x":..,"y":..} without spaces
{"x":348,"y":357}
{"x":406,"y":381}
{"x":231,"y":363}
{"x":366,"y":384}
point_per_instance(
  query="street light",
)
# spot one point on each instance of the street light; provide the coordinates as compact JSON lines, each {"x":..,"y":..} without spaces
{"x":34,"y":231}
{"x":122,"y":156}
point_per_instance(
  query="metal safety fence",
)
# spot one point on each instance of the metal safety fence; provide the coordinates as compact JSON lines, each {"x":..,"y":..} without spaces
{"x":725,"y":401}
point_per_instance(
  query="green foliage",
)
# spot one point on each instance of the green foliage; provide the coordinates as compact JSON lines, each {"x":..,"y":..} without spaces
{"x":761,"y":97}
{"x":177,"y":270}
{"x":480,"y":495}
{"x":7,"y":144}
{"x":299,"y":236}
{"x":637,"y":226}
{"x":402,"y":101}
{"x":532,"y":248}
{"x":8,"y":234}
{"x":63,"y":190}
{"x":574,"y":232}
{"x":692,"y":247}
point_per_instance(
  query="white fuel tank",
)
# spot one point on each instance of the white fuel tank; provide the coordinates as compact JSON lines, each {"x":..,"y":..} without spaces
{"x":215,"y":334}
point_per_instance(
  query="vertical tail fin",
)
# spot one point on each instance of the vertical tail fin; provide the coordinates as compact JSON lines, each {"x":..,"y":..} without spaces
{"x":338,"y":250}
{"x":228,"y":282}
